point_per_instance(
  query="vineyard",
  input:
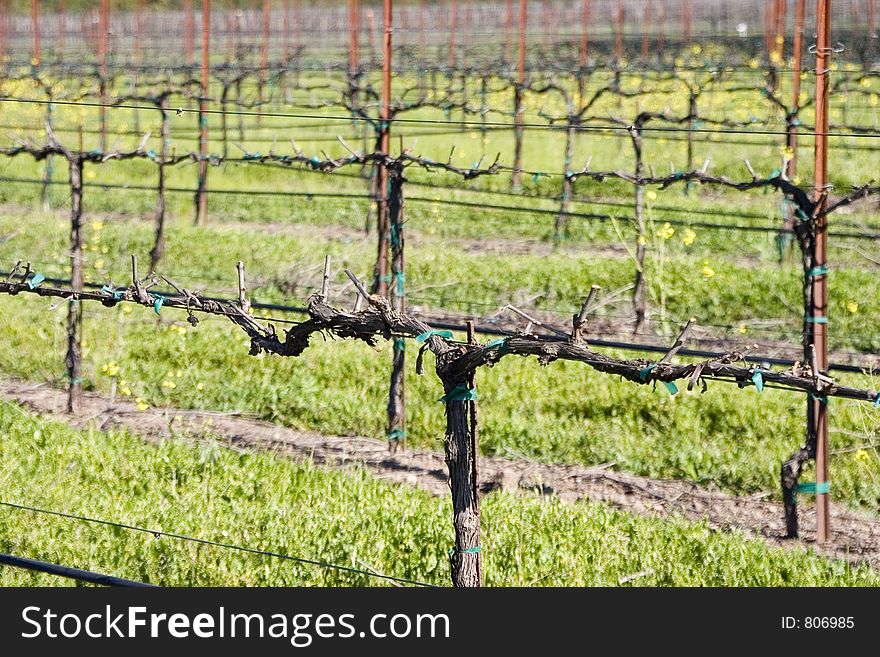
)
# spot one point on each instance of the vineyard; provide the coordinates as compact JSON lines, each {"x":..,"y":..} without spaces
{"x":258,"y":258}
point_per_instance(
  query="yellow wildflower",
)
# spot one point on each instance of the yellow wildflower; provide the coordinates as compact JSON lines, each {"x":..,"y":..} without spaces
{"x":853,"y":307}
{"x":708,"y":272}
{"x":666,"y":231}
{"x":169,"y":384}
{"x":862,"y":455}
{"x":97,"y":225}
{"x":652,"y":195}
{"x":110,"y":369}
{"x":200,"y":386}
{"x":141,"y":404}
{"x":688,"y":237}
{"x":742,"y":328}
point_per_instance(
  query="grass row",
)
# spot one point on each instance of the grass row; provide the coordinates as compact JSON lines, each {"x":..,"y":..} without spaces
{"x":265,"y":502}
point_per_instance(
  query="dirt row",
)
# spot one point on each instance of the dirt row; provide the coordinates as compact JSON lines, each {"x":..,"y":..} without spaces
{"x":855,"y":537}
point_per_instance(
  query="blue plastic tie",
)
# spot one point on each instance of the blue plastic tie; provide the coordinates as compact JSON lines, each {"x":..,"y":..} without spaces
{"x":460,"y":393}
{"x":396,"y":434}
{"x":758,"y":380}
{"x":643,"y":375}
{"x":877,"y":401}
{"x":821,"y":270}
{"x":424,"y":337}
{"x":501,"y":343}
{"x":811,"y":488}
{"x":35,"y":281}
{"x":157,"y":304}
{"x":816,"y":319}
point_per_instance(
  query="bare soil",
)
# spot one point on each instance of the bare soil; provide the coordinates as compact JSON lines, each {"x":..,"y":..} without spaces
{"x":854,"y":537}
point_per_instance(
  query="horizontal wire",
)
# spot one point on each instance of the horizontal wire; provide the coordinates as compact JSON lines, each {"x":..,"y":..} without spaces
{"x":494,"y":124}
{"x":365,"y":196}
{"x":442,"y":322}
{"x":228,"y":546}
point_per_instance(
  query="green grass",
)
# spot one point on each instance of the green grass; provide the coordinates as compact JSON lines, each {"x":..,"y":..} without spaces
{"x":265,"y":502}
{"x":728,"y":438}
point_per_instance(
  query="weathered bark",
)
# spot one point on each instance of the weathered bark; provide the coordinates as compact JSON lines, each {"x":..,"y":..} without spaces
{"x":465,"y":557}
{"x":158,"y":250}
{"x":396,"y":395}
{"x":791,"y":471}
{"x":640,"y":300}
{"x":692,"y":113}
{"x":380,"y":274}
{"x":240,"y":114}
{"x":484,"y":91}
{"x":201,"y":200}
{"x":562,"y":217}
{"x":464,"y":100}
{"x":224,"y":128}
{"x":74,"y":307}
{"x":102,"y":88}
{"x":516,"y":178}
{"x":47,"y":172}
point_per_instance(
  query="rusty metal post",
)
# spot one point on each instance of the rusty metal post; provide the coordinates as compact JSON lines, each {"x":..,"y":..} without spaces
{"x":264,"y":60}
{"x":188,"y":32}
{"x":3,"y":29}
{"x":872,"y":27}
{"x":687,"y":19}
{"x":202,"y":192}
{"x":104,"y":52}
{"x":508,"y":24}
{"x":138,"y":28}
{"x":285,"y":20}
{"x":585,"y":31}
{"x":354,"y":28}
{"x":646,"y":26}
{"x":297,"y":24}
{"x":818,"y":323}
{"x":230,"y":31}
{"x":35,"y":31}
{"x":516,"y":179}
{"x":618,"y":36}
{"x":453,"y":23}
{"x":661,"y":25}
{"x":421,"y":34}
{"x":62,"y":19}
{"x":779,"y":40}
